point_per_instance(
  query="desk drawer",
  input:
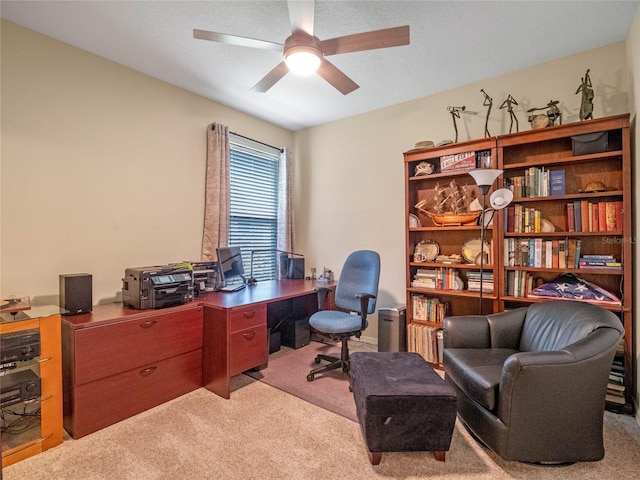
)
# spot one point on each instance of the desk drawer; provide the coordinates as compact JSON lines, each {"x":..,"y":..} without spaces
{"x":248,"y":349}
{"x":247,"y":317}
{"x":110,"y":349}
{"x":112,"y":399}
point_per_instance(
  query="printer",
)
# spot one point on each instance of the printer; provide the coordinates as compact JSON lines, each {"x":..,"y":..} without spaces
{"x":157,"y":286}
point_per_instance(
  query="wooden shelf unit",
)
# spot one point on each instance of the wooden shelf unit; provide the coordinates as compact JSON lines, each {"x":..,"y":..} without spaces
{"x":450,"y":239}
{"x":45,"y":430}
{"x":552,"y":149}
{"x":549,"y":149}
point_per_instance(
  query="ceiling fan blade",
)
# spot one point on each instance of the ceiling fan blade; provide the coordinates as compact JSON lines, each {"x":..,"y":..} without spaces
{"x":388,"y":37}
{"x":301,"y":13}
{"x":336,"y":77}
{"x":271,"y":78}
{"x":236,"y":40}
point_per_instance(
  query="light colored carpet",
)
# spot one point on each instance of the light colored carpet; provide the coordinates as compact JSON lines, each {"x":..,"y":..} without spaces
{"x":265,"y":433}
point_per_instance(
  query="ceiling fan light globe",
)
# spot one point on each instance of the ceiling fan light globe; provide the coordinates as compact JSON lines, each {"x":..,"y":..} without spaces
{"x":302,"y":61}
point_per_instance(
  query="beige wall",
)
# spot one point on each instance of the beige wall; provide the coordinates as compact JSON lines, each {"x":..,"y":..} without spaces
{"x":102,"y":167}
{"x":351,"y":171}
{"x":633,"y":60}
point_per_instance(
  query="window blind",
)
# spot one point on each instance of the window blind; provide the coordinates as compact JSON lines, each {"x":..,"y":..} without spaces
{"x":253,"y":204}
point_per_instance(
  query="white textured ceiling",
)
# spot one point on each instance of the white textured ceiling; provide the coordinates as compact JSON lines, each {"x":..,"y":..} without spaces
{"x":452,"y":43}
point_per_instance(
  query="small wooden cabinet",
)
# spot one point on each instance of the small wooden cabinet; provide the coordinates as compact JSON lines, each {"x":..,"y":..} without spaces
{"x":41,"y":427}
{"x":120,"y":362}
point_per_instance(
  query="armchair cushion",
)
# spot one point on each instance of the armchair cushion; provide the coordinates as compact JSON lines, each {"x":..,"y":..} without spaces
{"x":477,"y":371}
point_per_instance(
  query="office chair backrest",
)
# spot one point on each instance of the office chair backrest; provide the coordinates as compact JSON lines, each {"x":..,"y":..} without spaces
{"x":360,"y":274}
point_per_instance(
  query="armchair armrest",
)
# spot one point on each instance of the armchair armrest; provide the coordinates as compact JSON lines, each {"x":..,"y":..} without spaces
{"x":553,"y":387}
{"x":364,"y":306}
{"x":322,"y":296}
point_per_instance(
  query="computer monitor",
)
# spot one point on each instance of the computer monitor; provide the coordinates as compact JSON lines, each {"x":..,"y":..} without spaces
{"x":230,"y":264}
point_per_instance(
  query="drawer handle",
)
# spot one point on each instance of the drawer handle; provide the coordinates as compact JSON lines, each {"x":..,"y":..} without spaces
{"x":249,"y":314}
{"x":148,"y":324}
{"x":250,"y":335}
{"x":147,"y":371}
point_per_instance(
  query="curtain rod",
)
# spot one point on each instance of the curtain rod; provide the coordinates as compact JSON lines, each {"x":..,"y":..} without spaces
{"x":280,"y":149}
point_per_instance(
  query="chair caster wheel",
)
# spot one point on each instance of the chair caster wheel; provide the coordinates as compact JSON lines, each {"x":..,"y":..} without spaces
{"x":318,"y":360}
{"x":310,"y":377}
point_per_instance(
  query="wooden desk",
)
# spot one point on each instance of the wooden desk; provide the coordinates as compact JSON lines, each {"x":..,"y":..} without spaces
{"x":235,"y":326}
{"x":119,"y":361}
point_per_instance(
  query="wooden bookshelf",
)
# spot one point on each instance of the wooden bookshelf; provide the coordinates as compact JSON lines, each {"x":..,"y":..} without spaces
{"x":551,"y":150}
{"x":519,"y":155}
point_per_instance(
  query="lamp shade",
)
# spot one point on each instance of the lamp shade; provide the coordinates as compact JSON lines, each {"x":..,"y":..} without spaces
{"x":484,"y":177}
{"x":501,"y":198}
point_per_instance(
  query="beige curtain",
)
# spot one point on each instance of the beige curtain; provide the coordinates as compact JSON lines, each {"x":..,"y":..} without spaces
{"x":216,"y":198}
{"x":286,"y":220}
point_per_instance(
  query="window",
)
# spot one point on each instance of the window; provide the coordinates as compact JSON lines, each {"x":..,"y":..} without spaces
{"x":253,"y":205}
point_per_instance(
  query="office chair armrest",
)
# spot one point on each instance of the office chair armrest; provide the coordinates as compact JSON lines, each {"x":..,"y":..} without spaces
{"x":322,"y":296}
{"x":364,"y":306}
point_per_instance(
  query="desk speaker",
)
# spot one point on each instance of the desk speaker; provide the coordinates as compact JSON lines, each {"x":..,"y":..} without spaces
{"x":76,"y":294}
{"x":296,"y":268}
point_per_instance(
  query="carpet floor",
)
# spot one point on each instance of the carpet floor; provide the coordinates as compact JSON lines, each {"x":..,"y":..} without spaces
{"x":329,"y":390}
{"x":265,"y":433}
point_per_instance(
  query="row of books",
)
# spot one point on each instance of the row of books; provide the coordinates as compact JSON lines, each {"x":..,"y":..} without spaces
{"x":519,"y":283}
{"x":428,"y":309}
{"x":556,"y":253}
{"x":473,"y":281}
{"x":442,"y":278}
{"x":585,"y":216}
{"x":425,"y":340}
{"x":537,"y":182}
{"x":521,"y":219}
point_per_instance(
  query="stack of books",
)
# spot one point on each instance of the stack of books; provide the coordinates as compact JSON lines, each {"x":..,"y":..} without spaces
{"x":473,"y":281}
{"x":615,"y":387}
{"x":600,"y":261}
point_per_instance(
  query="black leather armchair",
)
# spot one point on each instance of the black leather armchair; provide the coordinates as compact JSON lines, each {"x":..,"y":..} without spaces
{"x":531,"y":382}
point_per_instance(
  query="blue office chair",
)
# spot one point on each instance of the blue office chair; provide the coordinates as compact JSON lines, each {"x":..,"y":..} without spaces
{"x":356,"y":292}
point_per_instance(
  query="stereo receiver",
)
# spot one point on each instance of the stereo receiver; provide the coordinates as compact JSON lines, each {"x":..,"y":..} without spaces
{"x":19,"y":346}
{"x":18,"y":387}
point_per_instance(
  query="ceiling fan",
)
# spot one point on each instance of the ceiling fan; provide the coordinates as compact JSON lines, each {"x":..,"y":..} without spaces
{"x":304,"y":51}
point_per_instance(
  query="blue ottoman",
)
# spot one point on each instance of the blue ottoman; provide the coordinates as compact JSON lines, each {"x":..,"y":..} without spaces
{"x":402,"y":404}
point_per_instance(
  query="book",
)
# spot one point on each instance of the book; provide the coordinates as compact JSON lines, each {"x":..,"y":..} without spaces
{"x":571,"y":217}
{"x":556,"y":180}
{"x":611,"y":217}
{"x":562,"y":254}
{"x":577,"y":214}
{"x":593,"y":226}
{"x":602,"y":216}
{"x":585,"y":214}
{"x":619,"y":213}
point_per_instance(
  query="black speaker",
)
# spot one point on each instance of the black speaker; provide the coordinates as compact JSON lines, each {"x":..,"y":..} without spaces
{"x":76,"y":295}
{"x":296,"y":268}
